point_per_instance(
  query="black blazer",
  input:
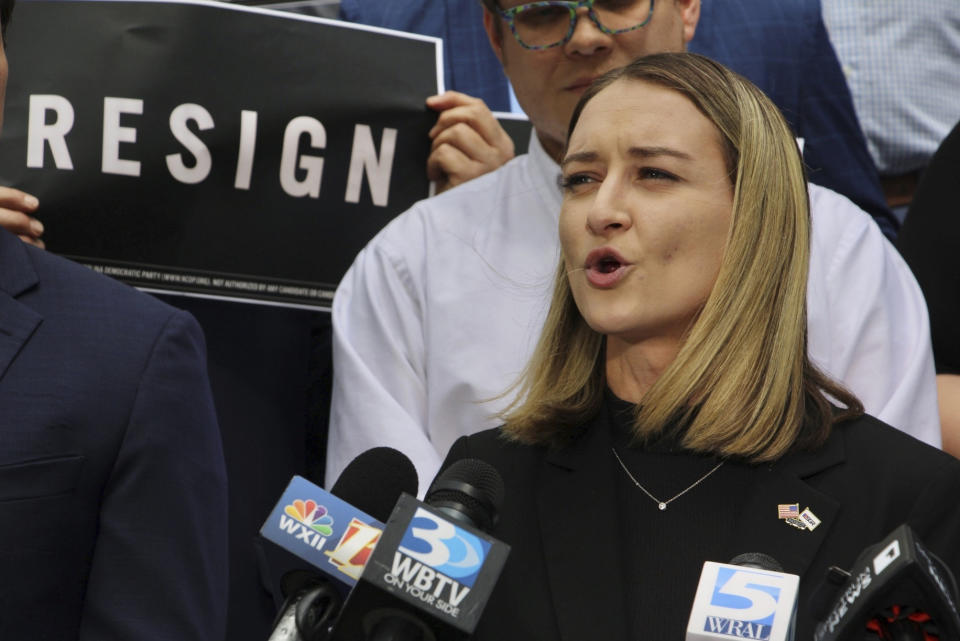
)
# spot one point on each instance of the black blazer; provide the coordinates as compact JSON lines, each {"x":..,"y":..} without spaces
{"x":866,"y":480}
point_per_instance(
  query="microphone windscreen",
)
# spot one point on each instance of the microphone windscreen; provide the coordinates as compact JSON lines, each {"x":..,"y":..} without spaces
{"x":374,"y":481}
{"x":757,"y":560}
{"x":471,"y":486}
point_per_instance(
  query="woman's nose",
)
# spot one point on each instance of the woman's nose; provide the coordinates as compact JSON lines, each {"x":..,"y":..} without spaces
{"x":608,"y":213}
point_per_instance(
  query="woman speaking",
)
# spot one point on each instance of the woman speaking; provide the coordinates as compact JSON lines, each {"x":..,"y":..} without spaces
{"x":670,"y":414}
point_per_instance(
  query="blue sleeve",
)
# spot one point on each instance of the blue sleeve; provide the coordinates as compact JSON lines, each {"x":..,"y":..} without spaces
{"x":835,"y":149}
{"x":350,"y":10}
{"x":470,"y":65}
{"x":783,"y":48}
{"x":159,"y":568}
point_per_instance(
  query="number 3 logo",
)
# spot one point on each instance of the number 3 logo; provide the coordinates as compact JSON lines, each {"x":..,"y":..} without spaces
{"x":443,"y":546}
{"x":437,"y":553}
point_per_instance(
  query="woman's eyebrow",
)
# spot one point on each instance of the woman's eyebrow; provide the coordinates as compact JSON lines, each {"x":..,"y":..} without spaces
{"x":637,"y":152}
{"x":650,"y":152}
{"x":580,"y":156}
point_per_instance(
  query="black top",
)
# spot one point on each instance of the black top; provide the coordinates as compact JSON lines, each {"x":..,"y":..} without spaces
{"x":665,"y":547}
{"x":930,"y":243}
{"x":592,"y":557}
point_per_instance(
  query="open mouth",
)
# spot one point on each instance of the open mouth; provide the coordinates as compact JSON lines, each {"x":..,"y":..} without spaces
{"x":605,"y":260}
{"x":605,"y":267}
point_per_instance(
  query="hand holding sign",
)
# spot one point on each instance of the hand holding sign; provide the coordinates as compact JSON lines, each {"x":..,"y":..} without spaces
{"x":467,"y":140}
{"x":16,"y":208}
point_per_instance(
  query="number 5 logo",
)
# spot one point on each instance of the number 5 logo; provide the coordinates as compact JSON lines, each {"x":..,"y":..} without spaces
{"x":745,"y":595}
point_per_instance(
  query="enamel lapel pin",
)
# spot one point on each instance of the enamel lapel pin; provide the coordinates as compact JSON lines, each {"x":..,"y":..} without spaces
{"x":791,"y":514}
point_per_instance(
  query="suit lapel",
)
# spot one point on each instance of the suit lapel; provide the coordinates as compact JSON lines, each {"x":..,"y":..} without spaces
{"x":761,"y":530}
{"x":577,"y":514}
{"x":17,"y":321}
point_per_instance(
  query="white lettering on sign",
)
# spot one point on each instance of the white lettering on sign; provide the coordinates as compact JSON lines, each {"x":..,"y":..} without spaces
{"x":114,"y":134}
{"x":202,"y":162}
{"x":51,"y":118}
{"x":53,"y":134}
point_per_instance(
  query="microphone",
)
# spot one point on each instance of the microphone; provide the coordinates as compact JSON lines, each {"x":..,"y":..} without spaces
{"x":314,"y":544}
{"x":898,"y":590}
{"x":434,"y":569}
{"x":751,"y":597}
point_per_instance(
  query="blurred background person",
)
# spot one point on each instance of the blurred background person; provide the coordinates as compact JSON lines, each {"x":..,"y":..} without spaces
{"x":930,"y":243}
{"x":902,"y":63}
{"x":781,"y":46}
{"x":670,"y":405}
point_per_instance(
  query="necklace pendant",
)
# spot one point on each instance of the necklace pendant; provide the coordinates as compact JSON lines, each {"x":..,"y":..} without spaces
{"x":662,"y":505}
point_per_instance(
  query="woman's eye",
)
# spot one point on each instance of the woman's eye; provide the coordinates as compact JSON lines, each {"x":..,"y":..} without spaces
{"x":656,"y":174}
{"x":568,"y":183}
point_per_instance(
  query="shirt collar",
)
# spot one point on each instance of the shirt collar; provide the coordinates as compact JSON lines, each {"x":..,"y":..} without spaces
{"x":545,"y":171}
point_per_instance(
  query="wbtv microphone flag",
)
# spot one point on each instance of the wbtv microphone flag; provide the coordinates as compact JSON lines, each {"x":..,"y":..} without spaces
{"x":215,"y":149}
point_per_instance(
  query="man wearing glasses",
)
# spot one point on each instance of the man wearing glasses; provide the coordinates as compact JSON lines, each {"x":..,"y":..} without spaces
{"x":439,"y":313}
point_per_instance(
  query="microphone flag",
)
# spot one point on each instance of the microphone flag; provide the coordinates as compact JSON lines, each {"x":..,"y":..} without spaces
{"x":426,"y":567}
{"x":309,"y":524}
{"x":739,"y":602}
{"x":897,"y":571}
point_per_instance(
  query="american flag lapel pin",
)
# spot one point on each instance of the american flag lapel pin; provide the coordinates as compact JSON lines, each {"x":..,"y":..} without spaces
{"x":790,"y":512}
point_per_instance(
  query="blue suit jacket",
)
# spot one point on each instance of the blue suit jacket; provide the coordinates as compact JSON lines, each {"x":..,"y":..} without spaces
{"x":781,"y":46}
{"x":112,"y":481}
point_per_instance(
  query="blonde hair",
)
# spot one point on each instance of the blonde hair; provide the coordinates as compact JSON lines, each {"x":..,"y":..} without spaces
{"x":741,"y":384}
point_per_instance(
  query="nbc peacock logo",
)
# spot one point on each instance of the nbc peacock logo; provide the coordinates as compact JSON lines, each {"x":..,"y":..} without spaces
{"x":311,"y":514}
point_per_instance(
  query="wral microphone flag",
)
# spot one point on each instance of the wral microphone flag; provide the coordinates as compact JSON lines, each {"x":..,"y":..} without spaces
{"x":215,"y":149}
{"x":737,"y":602}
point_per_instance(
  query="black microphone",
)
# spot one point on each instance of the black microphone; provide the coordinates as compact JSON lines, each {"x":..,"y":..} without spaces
{"x":434,"y":568}
{"x":314,"y":544}
{"x":897,"y":590}
{"x":469,"y":491}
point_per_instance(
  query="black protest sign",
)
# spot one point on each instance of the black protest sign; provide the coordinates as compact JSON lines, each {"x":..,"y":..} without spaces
{"x":214,"y":149}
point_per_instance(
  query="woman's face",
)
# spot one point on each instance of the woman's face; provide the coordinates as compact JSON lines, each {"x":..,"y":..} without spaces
{"x":646,"y":209}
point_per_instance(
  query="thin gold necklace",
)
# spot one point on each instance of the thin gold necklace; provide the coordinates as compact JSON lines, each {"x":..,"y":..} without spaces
{"x":663,"y":504}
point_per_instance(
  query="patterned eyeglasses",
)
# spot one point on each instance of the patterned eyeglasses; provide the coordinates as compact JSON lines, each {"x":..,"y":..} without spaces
{"x":542,"y":25}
